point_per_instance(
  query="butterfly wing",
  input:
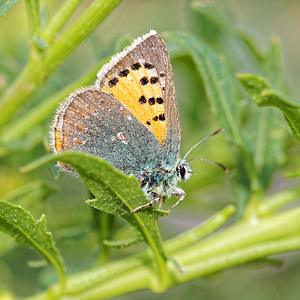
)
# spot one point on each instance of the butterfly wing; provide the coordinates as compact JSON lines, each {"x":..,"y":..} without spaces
{"x":141,"y":78}
{"x":94,"y":122}
{"x":130,"y":117}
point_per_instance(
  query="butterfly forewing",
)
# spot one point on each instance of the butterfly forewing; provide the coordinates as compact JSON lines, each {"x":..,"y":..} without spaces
{"x":141,"y":78}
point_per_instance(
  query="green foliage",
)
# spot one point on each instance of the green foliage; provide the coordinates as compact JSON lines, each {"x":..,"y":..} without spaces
{"x":258,"y":146}
{"x":116,"y":194}
{"x":216,"y":78}
{"x":20,"y":224}
{"x":5,"y":5}
{"x":263,"y":94}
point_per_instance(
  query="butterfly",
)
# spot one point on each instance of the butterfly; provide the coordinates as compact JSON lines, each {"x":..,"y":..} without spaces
{"x":130,"y":119}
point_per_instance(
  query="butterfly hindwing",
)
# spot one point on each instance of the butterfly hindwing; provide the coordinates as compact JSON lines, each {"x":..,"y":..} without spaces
{"x":94,"y":122}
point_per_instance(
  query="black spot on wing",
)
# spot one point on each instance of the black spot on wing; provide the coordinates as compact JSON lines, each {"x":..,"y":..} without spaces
{"x":144,"y":80}
{"x":142,"y":100}
{"x":161,"y":117}
{"x":148,"y":66}
{"x":112,"y":82}
{"x":124,"y":73}
{"x":159,"y":100}
{"x":151,"y":101}
{"x":154,"y":80}
{"x":136,"y":66}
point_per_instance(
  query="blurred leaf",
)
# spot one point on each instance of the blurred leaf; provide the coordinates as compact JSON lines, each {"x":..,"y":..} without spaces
{"x":20,"y":224}
{"x":223,"y":21}
{"x":123,"y":42}
{"x":121,"y":243}
{"x":27,"y":195}
{"x":273,"y":64}
{"x":260,"y":91}
{"x":217,"y":81}
{"x":115,"y":193}
{"x":5,"y":5}
{"x":250,"y":44}
{"x":210,"y":12}
{"x":265,"y":131}
{"x":34,"y":191}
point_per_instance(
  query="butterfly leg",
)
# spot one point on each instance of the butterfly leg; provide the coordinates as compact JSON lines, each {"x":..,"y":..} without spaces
{"x":178,"y":192}
{"x":162,"y":200}
{"x":152,"y":202}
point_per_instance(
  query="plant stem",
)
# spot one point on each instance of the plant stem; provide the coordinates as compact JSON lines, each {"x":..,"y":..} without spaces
{"x":228,"y":248}
{"x":274,"y":202}
{"x":200,"y":232}
{"x":33,"y":9}
{"x":239,"y":256}
{"x":39,"y":68}
{"x":37,"y":114}
{"x":59,"y":20}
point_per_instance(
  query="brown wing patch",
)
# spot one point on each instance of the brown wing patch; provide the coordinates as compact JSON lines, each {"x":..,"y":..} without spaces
{"x":138,"y":87}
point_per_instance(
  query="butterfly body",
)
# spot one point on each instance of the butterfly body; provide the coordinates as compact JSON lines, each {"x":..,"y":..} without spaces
{"x":130,"y":119}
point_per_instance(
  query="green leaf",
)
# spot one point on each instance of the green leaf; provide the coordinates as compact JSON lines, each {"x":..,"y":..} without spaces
{"x":260,"y":91}
{"x":251,"y":45}
{"x":34,"y":191}
{"x":115,"y":194}
{"x":5,"y":5}
{"x":223,"y":22}
{"x":216,"y":78}
{"x":20,"y":224}
{"x":265,"y":130}
{"x":273,"y":64}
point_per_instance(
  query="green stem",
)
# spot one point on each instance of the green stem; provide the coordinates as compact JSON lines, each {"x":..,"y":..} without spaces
{"x":87,"y":280}
{"x":20,"y":127}
{"x":41,"y":67}
{"x":253,"y":231}
{"x":198,"y":233}
{"x":274,"y":235}
{"x":59,"y":20}
{"x":104,"y":222}
{"x":239,"y":256}
{"x":161,"y":282}
{"x":274,"y":202}
{"x":33,"y":9}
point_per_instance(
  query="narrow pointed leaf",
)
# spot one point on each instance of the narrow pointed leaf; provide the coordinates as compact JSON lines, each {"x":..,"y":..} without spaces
{"x":262,"y":93}
{"x":5,"y":5}
{"x":265,"y":126}
{"x":216,"y":78}
{"x":115,"y":193}
{"x":20,"y":224}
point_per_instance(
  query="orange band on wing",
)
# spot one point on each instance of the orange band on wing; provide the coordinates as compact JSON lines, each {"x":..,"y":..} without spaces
{"x":138,"y":88}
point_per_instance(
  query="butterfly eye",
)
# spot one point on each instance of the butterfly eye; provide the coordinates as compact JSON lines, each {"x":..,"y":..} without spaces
{"x":182,"y":172}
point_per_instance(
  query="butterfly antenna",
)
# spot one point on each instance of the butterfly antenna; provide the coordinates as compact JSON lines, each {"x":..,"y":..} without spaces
{"x":214,"y":133}
{"x":211,"y":162}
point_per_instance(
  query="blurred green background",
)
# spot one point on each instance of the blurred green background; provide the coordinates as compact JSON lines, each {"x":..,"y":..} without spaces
{"x":70,"y":219}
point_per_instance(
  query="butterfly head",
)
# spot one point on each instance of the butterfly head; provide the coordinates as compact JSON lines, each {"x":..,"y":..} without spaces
{"x":183,"y":170}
